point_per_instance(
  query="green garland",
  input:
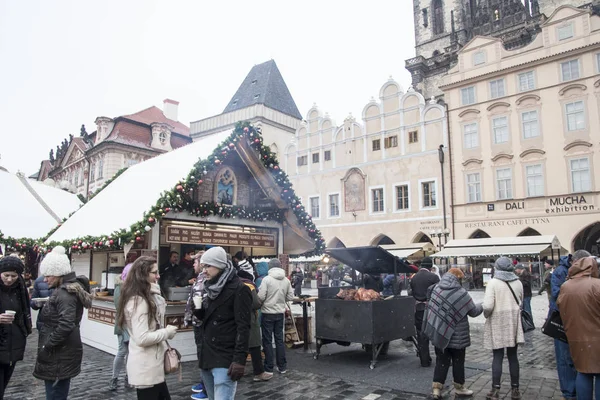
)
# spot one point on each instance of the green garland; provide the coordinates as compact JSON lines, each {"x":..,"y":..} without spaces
{"x":180,"y":199}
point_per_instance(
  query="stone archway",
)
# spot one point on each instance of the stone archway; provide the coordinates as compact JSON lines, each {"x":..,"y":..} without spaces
{"x":421,"y":238}
{"x":382,"y":239}
{"x":479,"y":234}
{"x":336,"y":243}
{"x":588,"y":239}
{"x":529,"y":232}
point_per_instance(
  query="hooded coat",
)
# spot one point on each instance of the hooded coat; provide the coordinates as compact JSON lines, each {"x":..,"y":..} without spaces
{"x":275,"y":291}
{"x":559,"y":276}
{"x":579,"y":304}
{"x":59,"y":348}
{"x":503,"y":327}
{"x":446,"y":321}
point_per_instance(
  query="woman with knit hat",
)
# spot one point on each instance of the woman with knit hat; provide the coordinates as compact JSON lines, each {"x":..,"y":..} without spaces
{"x":59,"y":349}
{"x":503,"y":328}
{"x":15,"y":318}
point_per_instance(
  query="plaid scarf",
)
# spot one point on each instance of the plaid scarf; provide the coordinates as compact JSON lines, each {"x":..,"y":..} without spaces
{"x":448,"y":305}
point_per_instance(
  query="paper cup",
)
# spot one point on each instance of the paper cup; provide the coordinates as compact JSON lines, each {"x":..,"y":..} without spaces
{"x":10,"y":312}
{"x":197,"y":302}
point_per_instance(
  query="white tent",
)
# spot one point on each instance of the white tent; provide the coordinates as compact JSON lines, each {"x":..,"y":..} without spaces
{"x":143,"y":184}
{"x":30,"y":209}
{"x":501,"y":246}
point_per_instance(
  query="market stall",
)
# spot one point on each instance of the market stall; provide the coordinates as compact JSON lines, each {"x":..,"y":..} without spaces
{"x":370,"y":323}
{"x":223,"y":190}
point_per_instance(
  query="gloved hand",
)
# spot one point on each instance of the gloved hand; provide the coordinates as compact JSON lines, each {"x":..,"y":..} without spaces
{"x":171,"y":331}
{"x":236,"y":371}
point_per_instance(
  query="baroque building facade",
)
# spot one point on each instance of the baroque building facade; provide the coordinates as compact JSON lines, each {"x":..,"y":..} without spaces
{"x":443,"y":27}
{"x":377,"y":180}
{"x":83,"y":164}
{"x":525,"y":131}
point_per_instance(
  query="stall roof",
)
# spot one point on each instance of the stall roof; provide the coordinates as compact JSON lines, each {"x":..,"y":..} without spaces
{"x":370,"y":260}
{"x":124,"y":201}
{"x":404,"y":251}
{"x":520,"y":245}
{"x":27,"y":206}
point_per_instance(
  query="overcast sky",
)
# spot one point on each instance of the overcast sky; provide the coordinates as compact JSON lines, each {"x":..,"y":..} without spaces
{"x":64,"y":63}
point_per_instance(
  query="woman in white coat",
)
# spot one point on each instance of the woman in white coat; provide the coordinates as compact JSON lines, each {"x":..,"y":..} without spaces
{"x":503,"y":328}
{"x":141,"y":312}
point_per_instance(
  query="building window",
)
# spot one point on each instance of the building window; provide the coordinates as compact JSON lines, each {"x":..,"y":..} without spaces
{"x":327,"y":155}
{"x":162,"y":137}
{"x":377,"y":200}
{"x":467,"y":95}
{"x":93,"y":172}
{"x":425,"y":18}
{"x":334,"y":205}
{"x":315,"y":158}
{"x":474,"y":187}
{"x":580,"y":175}
{"x":81,"y":177}
{"x":526,"y":81}
{"x":131,"y":161}
{"x":376,"y":144}
{"x":438,"y":17}
{"x":471,"y":136}
{"x":402,"y":197}
{"x":598,"y":62}
{"x":413,"y":136}
{"x":100,"y":169}
{"x":504,"y":183}
{"x":565,"y":32}
{"x":569,"y":70}
{"x":391,"y":141}
{"x":529,"y":120}
{"x":497,"y":88}
{"x":302,"y":160}
{"x":314,"y":207}
{"x":500,"y":129}
{"x":575,"y":116}
{"x":479,"y":58}
{"x":428,"y":192}
{"x":535,"y":180}
{"x":77,"y":178}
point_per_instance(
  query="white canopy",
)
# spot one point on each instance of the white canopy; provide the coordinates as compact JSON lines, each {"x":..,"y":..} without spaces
{"x":508,"y":246}
{"x":26,"y":206}
{"x":124,"y":201}
{"x":404,"y":251}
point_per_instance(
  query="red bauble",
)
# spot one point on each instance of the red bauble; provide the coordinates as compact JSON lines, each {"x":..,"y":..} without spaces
{"x":80,"y":242}
{"x":167,"y":209}
{"x":276,"y":167}
{"x":217,"y":161}
{"x":231,"y":145}
{"x":224,"y":152}
{"x":138,"y":239}
{"x":246,"y":129}
{"x":200,"y":182}
{"x":256,"y":141}
{"x":151,"y":220}
{"x":179,"y":188}
{"x":111,"y":242}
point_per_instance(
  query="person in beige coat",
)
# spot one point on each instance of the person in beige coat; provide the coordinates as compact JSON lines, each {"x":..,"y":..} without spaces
{"x":141,"y":312}
{"x":503,"y":329}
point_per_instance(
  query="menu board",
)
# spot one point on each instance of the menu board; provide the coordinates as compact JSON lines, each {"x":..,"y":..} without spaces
{"x":103,"y":315}
{"x":185,"y":234}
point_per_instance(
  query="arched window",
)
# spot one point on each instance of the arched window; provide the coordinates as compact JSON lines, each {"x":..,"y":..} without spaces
{"x":438,"y":17}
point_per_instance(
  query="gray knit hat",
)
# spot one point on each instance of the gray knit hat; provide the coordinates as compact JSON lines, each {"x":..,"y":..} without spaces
{"x":504,"y":264}
{"x":274,"y":263}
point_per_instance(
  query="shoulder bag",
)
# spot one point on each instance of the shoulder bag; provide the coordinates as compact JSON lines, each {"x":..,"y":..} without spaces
{"x":554,"y":327}
{"x":172,"y":357}
{"x":526,"y":318}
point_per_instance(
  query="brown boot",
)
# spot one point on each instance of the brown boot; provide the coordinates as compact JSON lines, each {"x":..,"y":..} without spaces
{"x":461,"y":390}
{"x":515,"y":394}
{"x":494,"y":394}
{"x":436,"y":392}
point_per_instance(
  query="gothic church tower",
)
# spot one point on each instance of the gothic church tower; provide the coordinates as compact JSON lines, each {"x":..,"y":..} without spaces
{"x":442,"y":27}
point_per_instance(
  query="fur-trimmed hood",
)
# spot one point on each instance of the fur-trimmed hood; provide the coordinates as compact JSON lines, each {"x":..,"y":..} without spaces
{"x":80,"y":286}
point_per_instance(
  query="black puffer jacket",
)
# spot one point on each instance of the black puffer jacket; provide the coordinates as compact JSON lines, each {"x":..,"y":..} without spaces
{"x":60,"y":350}
{"x":13,"y":337}
{"x":224,"y":326}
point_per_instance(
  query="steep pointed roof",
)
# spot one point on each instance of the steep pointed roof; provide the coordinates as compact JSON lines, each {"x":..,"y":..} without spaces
{"x":264,"y":85}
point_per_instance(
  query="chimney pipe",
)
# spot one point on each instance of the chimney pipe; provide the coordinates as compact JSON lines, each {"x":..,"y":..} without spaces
{"x":170,"y":109}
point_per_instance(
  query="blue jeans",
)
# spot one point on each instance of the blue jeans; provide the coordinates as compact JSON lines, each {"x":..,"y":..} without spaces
{"x":57,"y":390}
{"x":585,"y":386}
{"x":566,"y":369}
{"x":527,"y":305}
{"x":272,"y":325}
{"x":119,"y":361}
{"x":218,"y":384}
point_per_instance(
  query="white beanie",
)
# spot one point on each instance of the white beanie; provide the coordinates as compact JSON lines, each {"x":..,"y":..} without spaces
{"x":56,"y":263}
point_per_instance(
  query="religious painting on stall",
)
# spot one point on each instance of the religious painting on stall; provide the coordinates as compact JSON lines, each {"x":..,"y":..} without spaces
{"x":354,"y":190}
{"x":226,"y":189}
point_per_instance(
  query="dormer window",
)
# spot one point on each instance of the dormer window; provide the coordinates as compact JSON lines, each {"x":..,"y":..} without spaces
{"x":256,"y":96}
{"x":162,"y":137}
{"x":479,"y":58}
{"x":565,"y":32}
{"x":235,"y":102}
{"x":254,"y":82}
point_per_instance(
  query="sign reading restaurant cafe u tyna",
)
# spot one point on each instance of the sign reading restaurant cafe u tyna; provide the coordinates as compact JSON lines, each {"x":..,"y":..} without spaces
{"x":185,"y":234}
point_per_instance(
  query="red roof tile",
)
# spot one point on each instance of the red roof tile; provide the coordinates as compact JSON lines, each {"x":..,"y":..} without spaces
{"x":155,"y":114}
{"x":140,"y":136}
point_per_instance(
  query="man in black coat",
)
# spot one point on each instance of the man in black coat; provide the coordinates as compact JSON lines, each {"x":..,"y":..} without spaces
{"x":224,"y":321}
{"x":420,"y":284}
